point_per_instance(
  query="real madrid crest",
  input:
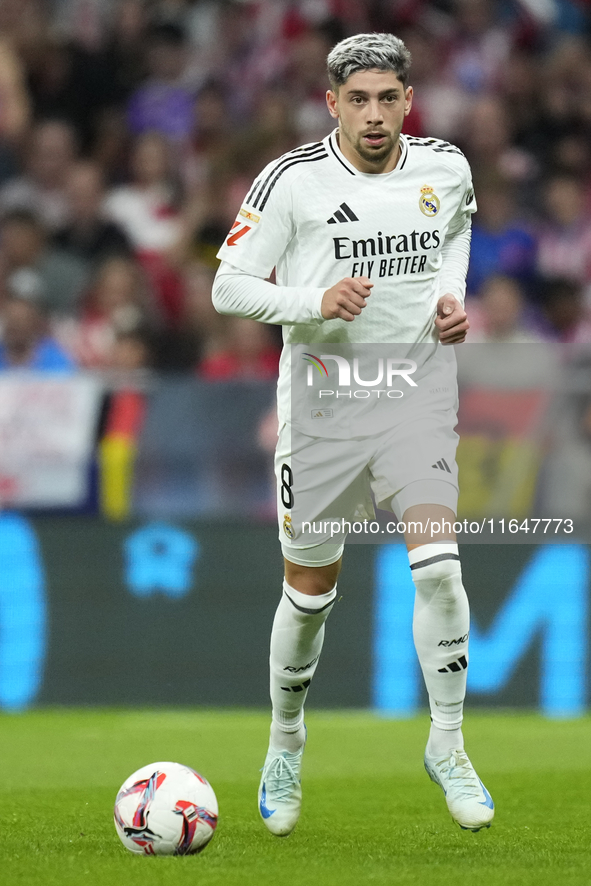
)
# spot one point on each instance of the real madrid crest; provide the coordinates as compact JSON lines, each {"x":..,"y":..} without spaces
{"x":287,"y":527}
{"x":428,"y":201}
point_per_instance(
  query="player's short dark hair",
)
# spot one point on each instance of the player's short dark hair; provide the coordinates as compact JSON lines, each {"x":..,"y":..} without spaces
{"x":363,"y":52}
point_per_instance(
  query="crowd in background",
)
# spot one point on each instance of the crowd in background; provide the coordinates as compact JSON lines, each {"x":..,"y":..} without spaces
{"x":130,"y":131}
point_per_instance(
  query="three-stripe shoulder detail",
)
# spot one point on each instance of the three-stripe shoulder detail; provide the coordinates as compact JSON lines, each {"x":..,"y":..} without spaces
{"x":436,"y":144}
{"x":261,"y":190}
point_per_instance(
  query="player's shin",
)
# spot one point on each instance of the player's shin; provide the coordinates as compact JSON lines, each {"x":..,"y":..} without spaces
{"x":296,"y":643}
{"x":441,"y":626}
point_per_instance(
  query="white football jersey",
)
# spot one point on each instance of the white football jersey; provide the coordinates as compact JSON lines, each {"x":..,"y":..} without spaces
{"x":316,"y":219}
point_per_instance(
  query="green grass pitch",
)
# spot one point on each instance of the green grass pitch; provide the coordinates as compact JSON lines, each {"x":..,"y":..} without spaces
{"x":370,"y":813}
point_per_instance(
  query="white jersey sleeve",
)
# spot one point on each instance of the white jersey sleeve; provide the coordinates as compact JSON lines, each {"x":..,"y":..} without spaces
{"x":455,"y":255}
{"x":264,"y":225}
{"x":258,"y":240}
{"x":245,"y":295}
{"x":456,"y":246}
{"x":467,"y":204}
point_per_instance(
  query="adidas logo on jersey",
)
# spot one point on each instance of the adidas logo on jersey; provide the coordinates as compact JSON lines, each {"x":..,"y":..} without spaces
{"x":442,"y":465}
{"x":343,"y":214}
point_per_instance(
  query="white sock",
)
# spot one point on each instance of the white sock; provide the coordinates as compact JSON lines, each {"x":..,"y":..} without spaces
{"x":441,"y":625}
{"x":296,"y":643}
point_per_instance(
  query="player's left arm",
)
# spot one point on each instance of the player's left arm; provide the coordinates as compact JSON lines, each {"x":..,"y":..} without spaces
{"x":451,"y":319}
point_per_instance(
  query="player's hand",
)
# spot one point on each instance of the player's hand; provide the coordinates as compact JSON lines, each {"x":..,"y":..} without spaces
{"x":451,"y":320}
{"x":346,"y":299}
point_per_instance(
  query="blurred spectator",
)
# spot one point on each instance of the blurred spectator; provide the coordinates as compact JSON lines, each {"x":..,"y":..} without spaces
{"x":488,"y":142}
{"x":201,"y":329}
{"x":14,"y":99}
{"x":147,"y":207}
{"x":307,"y":75}
{"x":498,"y":314}
{"x":521,"y":96}
{"x":210,"y":145}
{"x":438,"y":107}
{"x":273,"y":130}
{"x":124,"y":52}
{"x":14,"y":109}
{"x":48,"y":164}
{"x":163,"y":103}
{"x":571,"y":153}
{"x":564,"y":308}
{"x":555,"y":116}
{"x":207,"y":163}
{"x":89,"y":235}
{"x":83,"y":23}
{"x":148,"y":210}
{"x":123,"y":57}
{"x":249,"y":351}
{"x":201,"y":23}
{"x":24,"y":243}
{"x":502,"y":243}
{"x":71,"y":83}
{"x":565,"y":236}
{"x":131,"y":351}
{"x":480,"y":46}
{"x":270,"y":133}
{"x":250,"y":55}
{"x":26,"y":342}
{"x":117,"y":304}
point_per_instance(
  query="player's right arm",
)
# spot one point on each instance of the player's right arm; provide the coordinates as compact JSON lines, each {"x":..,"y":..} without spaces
{"x":244,"y":295}
{"x":263,"y":231}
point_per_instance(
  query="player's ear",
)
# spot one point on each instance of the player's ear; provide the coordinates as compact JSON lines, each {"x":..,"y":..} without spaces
{"x":408,"y":101}
{"x":331,"y":101}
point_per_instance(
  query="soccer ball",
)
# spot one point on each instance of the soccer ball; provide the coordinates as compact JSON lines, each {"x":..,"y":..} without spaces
{"x":166,"y":809}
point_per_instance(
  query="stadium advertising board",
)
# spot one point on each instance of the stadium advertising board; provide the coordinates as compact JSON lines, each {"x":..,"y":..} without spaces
{"x":93,"y":612}
{"x":47,"y":427}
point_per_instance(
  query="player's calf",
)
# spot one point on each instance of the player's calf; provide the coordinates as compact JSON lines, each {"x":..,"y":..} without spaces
{"x":441,"y":627}
{"x":296,"y":644}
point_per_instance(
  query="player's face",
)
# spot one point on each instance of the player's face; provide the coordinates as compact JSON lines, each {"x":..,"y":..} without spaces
{"x":370,"y":107}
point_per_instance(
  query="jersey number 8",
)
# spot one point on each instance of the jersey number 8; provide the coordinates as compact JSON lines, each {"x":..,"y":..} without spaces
{"x":286,"y":484}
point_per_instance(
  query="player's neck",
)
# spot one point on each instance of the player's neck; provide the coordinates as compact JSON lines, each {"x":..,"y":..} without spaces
{"x":355,"y":159}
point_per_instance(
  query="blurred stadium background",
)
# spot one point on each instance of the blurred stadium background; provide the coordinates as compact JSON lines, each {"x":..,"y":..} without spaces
{"x":138,"y":554}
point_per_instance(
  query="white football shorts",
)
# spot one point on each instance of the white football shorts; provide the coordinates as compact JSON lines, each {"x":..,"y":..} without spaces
{"x":322,"y":480}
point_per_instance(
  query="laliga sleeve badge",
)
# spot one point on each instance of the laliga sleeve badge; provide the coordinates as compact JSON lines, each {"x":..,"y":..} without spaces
{"x":428,"y":202}
{"x":287,"y":526}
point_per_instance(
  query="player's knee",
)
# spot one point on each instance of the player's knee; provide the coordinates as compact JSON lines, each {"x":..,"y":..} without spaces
{"x":438,"y":571}
{"x":442,"y":578}
{"x":313,"y":580}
